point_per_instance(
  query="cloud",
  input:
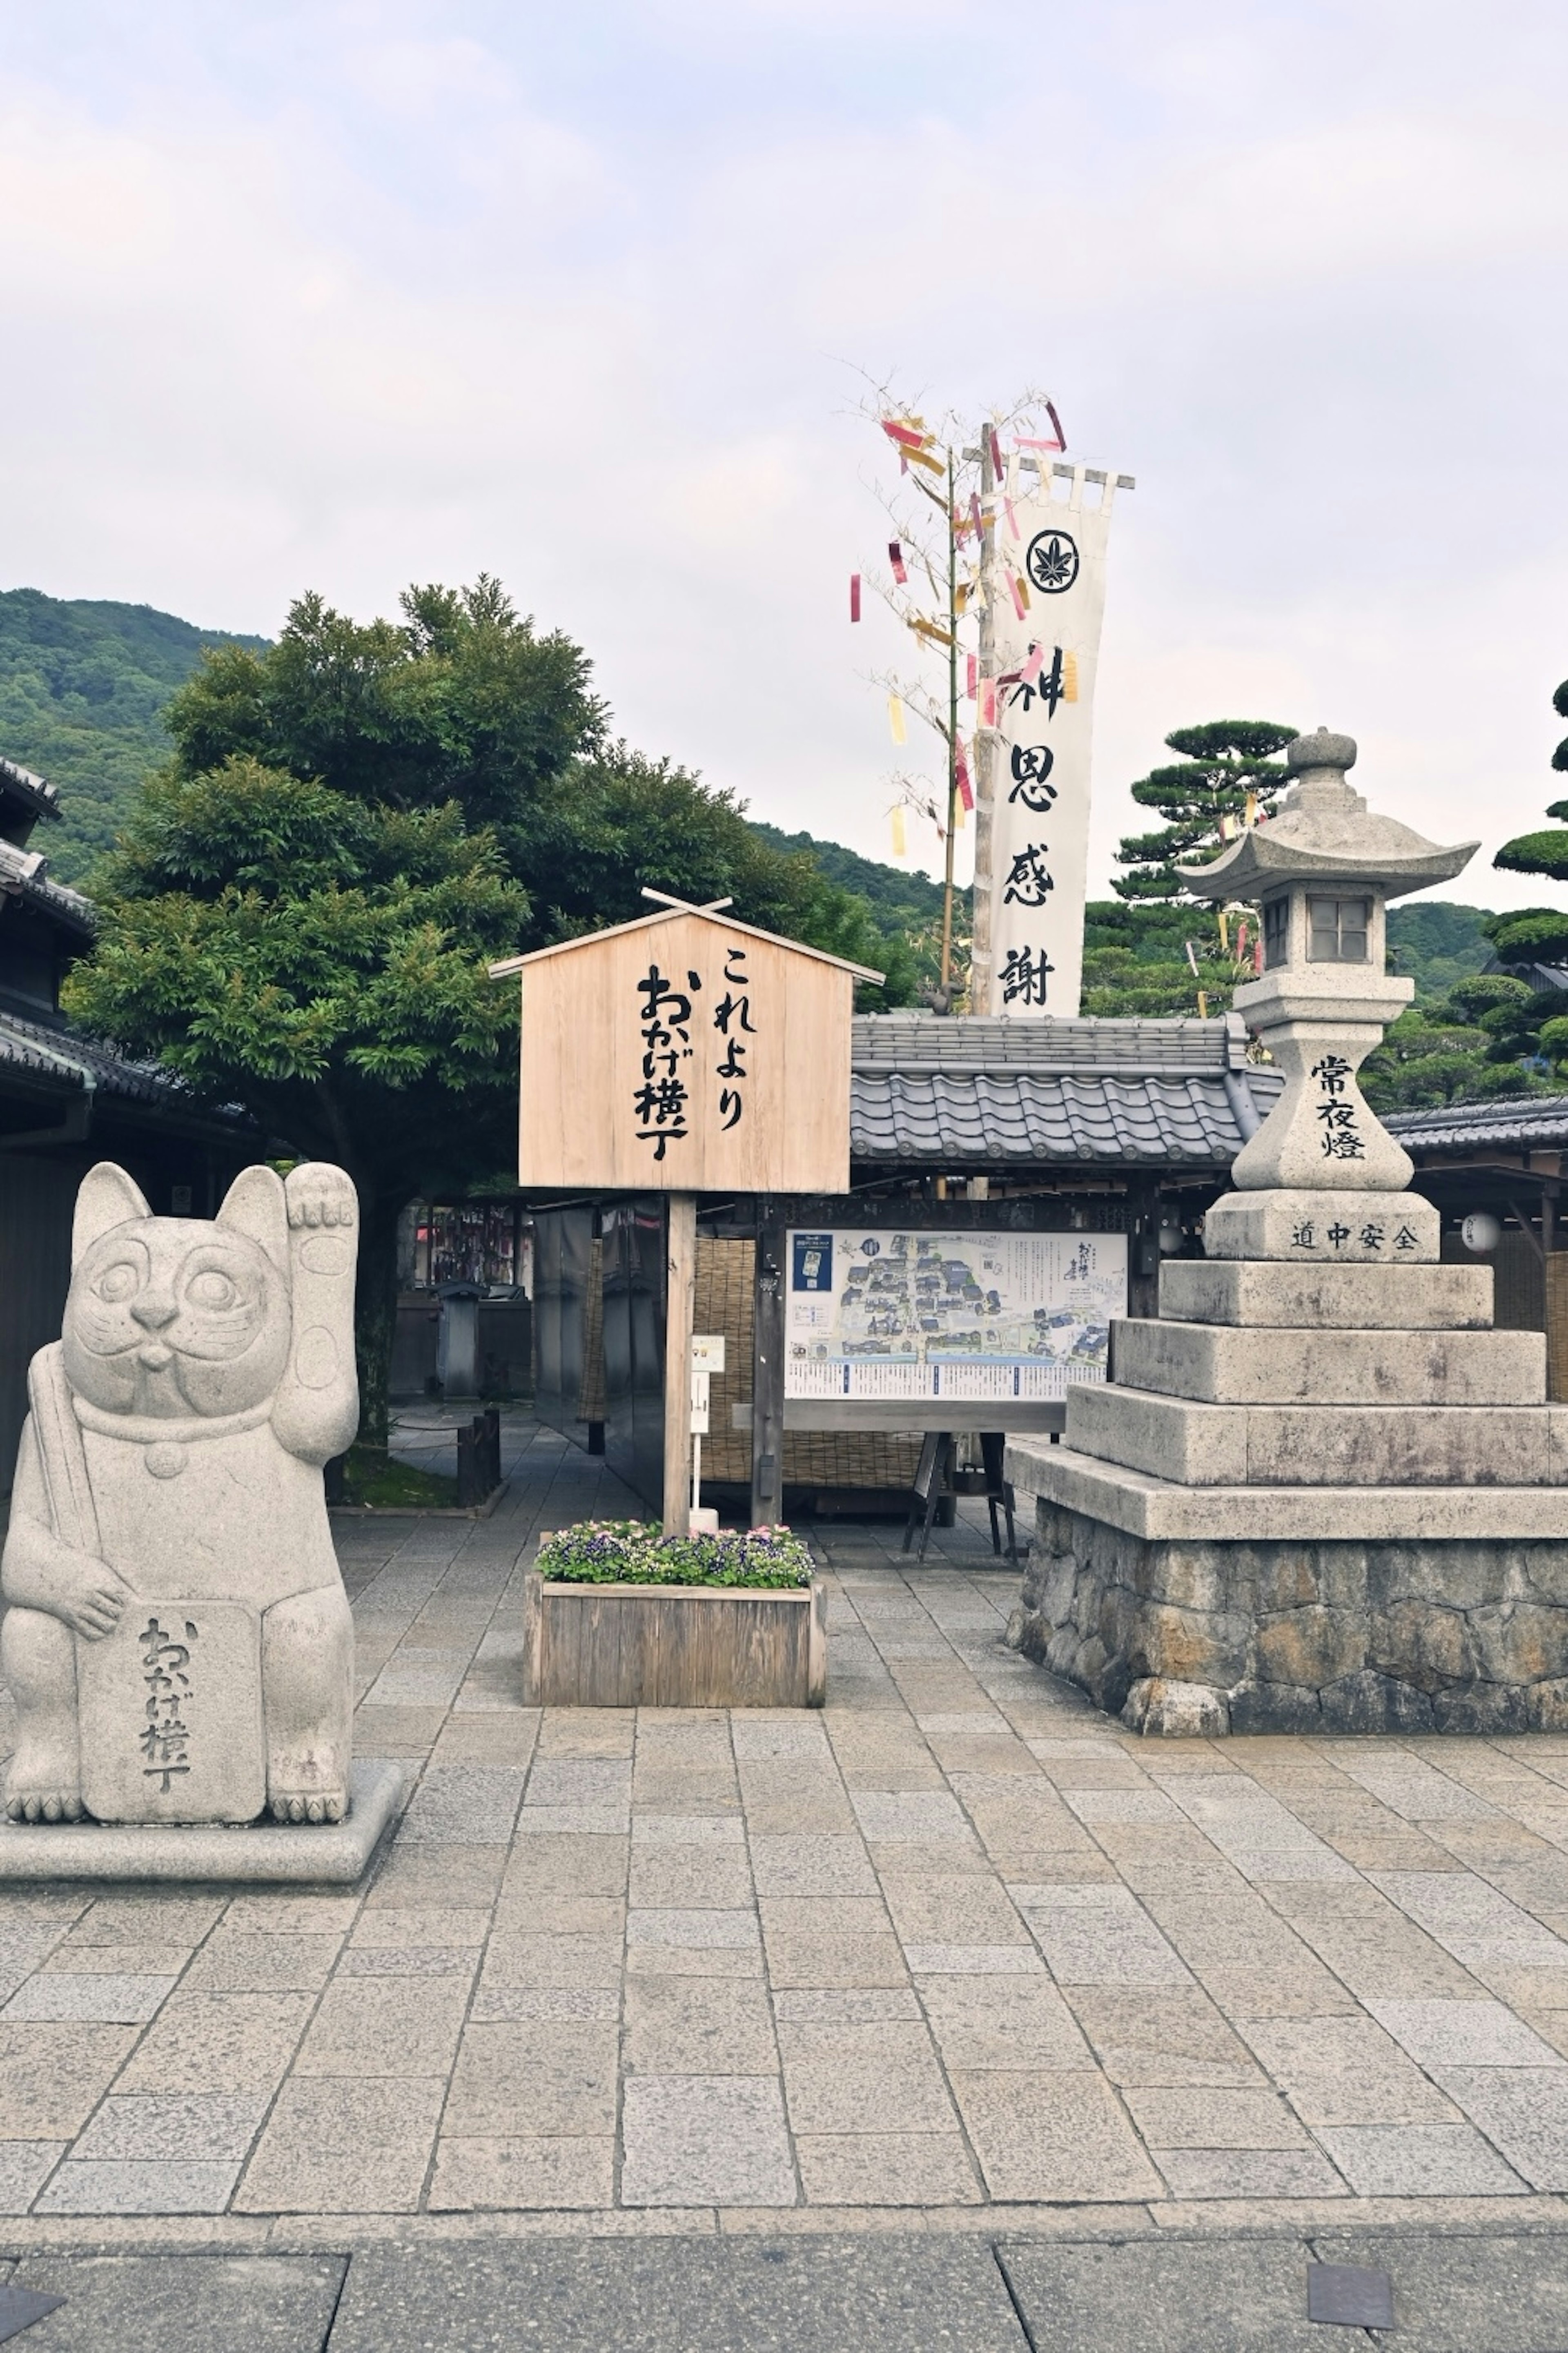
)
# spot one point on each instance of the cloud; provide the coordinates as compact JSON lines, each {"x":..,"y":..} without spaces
{"x":345,"y":296}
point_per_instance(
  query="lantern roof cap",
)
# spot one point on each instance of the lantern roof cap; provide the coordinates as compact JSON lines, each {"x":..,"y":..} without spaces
{"x":1323,"y":832}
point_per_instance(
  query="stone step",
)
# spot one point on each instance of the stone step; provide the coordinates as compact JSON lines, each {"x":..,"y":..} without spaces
{"x":1300,"y":1226}
{"x":1200,"y":1445}
{"x":1262,"y":1292}
{"x":1220,"y":1364}
{"x":1158,"y":1509}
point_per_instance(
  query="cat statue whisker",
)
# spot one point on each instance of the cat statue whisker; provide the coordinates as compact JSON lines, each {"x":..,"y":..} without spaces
{"x":177,"y":1639}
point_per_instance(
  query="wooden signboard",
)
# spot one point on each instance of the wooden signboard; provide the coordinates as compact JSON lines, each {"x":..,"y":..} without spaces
{"x":686,"y":1053}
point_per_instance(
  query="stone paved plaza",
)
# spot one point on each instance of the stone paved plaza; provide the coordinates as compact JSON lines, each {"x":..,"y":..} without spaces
{"x":956,"y":1952}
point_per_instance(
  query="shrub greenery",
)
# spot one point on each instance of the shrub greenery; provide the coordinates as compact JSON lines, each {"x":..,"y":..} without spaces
{"x":633,"y":1551}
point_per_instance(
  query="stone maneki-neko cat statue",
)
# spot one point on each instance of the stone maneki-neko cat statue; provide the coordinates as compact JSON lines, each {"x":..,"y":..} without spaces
{"x":177,"y":1637}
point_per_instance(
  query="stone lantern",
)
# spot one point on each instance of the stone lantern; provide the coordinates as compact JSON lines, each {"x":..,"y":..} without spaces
{"x":1320,"y":1492}
{"x":1324,"y":868}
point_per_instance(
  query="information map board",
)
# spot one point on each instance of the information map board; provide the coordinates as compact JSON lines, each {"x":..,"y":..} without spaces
{"x":920,"y":1315}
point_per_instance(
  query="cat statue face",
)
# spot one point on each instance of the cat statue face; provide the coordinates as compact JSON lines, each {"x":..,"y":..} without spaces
{"x":174,"y":1318}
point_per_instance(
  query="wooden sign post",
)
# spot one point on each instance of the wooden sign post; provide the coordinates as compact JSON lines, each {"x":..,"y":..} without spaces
{"x":684,"y":1054}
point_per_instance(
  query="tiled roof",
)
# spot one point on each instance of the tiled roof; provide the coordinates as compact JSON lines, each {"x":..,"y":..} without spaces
{"x":64,"y":1056}
{"x":1517,"y":1123}
{"x":971,"y":1093}
{"x":40,"y":795}
{"x":22,"y":872}
{"x":922,"y":1041}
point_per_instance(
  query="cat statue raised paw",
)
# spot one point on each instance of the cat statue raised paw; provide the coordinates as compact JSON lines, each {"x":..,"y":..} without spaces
{"x":177,"y":1638}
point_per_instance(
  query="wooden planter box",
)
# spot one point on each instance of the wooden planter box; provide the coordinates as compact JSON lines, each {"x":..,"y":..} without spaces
{"x":673,"y":1646}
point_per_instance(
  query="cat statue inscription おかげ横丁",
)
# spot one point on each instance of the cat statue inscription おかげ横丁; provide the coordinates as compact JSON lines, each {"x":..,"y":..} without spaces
{"x":177,"y":1638}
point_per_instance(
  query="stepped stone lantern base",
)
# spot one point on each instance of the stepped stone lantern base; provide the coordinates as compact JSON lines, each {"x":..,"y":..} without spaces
{"x":1320,"y":1492}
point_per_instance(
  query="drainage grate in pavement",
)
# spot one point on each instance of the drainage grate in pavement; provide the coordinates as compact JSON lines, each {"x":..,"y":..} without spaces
{"x":1351,"y":2296}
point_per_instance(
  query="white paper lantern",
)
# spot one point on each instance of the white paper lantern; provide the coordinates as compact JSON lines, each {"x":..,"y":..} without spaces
{"x":1480,"y":1231}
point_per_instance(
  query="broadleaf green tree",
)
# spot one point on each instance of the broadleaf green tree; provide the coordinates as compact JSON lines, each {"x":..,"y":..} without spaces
{"x":321,"y":961}
{"x":357,"y":820}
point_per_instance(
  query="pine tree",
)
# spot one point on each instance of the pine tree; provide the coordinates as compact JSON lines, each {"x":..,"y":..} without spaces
{"x":1223,"y":764}
{"x":1538,"y":934}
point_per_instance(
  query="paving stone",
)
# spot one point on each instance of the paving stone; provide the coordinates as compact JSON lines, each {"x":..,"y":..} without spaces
{"x":522,"y":2171}
{"x":1262,"y":1838}
{"x":1184,"y":2117}
{"x":889,"y":1816}
{"x":852,"y":2004}
{"x":882,"y":2168}
{"x":1051,"y":2137}
{"x":1411,"y":1786}
{"x":877,"y":2078}
{"x":1251,"y":2173}
{"x":1099,"y":1806}
{"x":1098,"y":1935}
{"x":534,"y":2078}
{"x":53,"y":2076}
{"x":1162,"y":2035}
{"x":512,"y":1960}
{"x":1522,"y":2110}
{"x":25,"y":2167}
{"x":697,"y":2025}
{"x":282,"y":1912}
{"x":335,"y":2145}
{"x":801,"y":1864}
{"x":579,"y":1781}
{"x":697,"y":1931}
{"x":153,"y":2185}
{"x":463,"y":1805}
{"x":176,"y":1919}
{"x":263,"y":1964}
{"x":595,"y":1865}
{"x":1445,"y":2160}
{"x":1346,"y":2072}
{"x":1248,"y":2296}
{"x":89,"y":1999}
{"x":215,"y":2042}
{"x":705,"y":2140}
{"x":830,"y":1940}
{"x":714,"y":1878}
{"x":179,"y":2303}
{"x":408,"y":1961}
{"x":1030,"y":2024}
{"x":385,"y":2027}
{"x":1471,"y":1920}
{"x":1463,"y":2034}
{"x":493,"y":2003}
{"x":111,"y":1960}
{"x":208,"y":2127}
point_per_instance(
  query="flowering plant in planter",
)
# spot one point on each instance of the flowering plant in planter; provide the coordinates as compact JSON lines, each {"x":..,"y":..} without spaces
{"x":634,"y":1552}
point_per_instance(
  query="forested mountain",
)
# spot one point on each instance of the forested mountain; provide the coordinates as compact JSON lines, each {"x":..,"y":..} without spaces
{"x":82,"y":684}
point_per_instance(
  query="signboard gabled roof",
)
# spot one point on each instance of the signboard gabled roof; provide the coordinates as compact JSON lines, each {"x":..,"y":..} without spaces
{"x":668,"y":913}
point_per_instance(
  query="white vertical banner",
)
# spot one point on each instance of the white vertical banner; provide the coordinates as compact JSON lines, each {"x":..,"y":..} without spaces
{"x":1046,"y":592}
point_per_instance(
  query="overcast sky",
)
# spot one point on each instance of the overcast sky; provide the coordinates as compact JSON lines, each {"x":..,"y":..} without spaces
{"x":339,"y":296}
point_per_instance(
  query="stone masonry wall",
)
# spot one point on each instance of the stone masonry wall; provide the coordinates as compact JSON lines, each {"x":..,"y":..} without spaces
{"x":1277,"y":1636}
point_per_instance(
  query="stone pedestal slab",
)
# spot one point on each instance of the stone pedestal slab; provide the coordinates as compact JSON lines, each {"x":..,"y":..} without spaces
{"x":1336,"y":1229}
{"x":1291,"y":1446}
{"x":1327,"y":1297}
{"x":259,"y":1855}
{"x":1225,"y":1363}
{"x":1162,"y":1510}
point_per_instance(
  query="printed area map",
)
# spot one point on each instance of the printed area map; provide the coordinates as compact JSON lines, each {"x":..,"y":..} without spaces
{"x":962,"y":1315}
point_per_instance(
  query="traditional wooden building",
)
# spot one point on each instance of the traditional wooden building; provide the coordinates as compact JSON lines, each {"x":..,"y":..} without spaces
{"x":67,"y":1101}
{"x":960,"y":1126}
